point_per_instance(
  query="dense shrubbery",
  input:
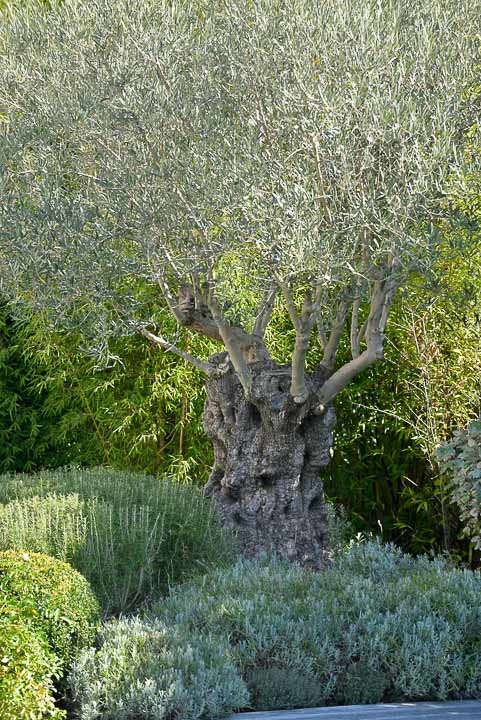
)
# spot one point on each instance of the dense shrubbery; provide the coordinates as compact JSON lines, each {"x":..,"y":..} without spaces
{"x":377,"y":626}
{"x":57,"y":407}
{"x":26,"y":412}
{"x":27,"y":670}
{"x":130,"y":535}
{"x":47,"y":614}
{"x":55,"y":599}
{"x":461,"y":459}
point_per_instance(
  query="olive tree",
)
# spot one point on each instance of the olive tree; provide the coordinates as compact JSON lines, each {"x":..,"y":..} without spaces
{"x":235,"y":158}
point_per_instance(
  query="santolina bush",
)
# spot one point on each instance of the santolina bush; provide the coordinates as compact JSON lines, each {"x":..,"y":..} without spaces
{"x":377,"y":626}
{"x":131,"y":535}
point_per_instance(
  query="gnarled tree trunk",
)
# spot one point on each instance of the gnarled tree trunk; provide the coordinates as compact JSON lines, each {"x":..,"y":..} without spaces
{"x":268,"y":454}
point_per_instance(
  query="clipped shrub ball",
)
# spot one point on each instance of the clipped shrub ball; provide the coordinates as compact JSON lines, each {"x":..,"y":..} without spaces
{"x":54,"y":598}
{"x":376,"y":626}
{"x":27,"y":671}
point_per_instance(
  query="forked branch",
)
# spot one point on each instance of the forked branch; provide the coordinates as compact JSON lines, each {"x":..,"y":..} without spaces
{"x":265,"y":312}
{"x":373,"y":330}
{"x":190,"y":308}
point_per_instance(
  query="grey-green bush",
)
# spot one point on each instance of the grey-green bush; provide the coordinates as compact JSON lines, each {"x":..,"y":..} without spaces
{"x":131,"y":535}
{"x":146,"y":669}
{"x":376,"y":626}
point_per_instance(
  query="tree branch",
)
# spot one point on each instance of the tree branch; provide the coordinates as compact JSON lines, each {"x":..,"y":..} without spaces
{"x":303,"y":325}
{"x":265,"y":312}
{"x":159,"y":341}
{"x":190,"y":309}
{"x":343,"y":376}
{"x":321,"y":334}
{"x":233,"y":346}
{"x":362,"y":333}
{"x":381,"y":300}
{"x":298,"y":389}
{"x":331,"y":345}
{"x":355,"y":342}
{"x":171,"y":301}
{"x":291,"y":308}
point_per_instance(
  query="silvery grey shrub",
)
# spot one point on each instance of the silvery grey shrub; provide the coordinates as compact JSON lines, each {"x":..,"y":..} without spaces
{"x":378,"y":625}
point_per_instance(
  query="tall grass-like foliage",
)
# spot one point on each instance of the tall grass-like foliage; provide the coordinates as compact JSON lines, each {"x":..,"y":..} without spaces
{"x":130,"y":535}
{"x":377,"y":626}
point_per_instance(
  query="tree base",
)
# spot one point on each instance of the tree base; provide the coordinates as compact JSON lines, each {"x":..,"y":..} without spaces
{"x":268,"y":453}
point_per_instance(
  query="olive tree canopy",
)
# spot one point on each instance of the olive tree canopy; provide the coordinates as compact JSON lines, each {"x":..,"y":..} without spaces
{"x":235,"y":155}
{"x":304,"y":145}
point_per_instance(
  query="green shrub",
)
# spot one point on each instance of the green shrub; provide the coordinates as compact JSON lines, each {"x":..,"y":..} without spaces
{"x":27,"y":671}
{"x":54,"y":598}
{"x":460,"y":458}
{"x":55,"y":525}
{"x":340,"y":531}
{"x":131,"y":535}
{"x":377,"y":626}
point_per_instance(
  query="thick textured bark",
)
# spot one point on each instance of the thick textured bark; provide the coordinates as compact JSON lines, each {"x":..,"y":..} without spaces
{"x":268,"y":454}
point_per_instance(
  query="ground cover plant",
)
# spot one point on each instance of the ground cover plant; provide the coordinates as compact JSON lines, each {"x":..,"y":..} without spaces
{"x":131,"y":535}
{"x":378,"y":625}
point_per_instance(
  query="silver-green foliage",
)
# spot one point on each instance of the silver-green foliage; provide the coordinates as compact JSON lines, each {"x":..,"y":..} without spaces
{"x":130,"y":535}
{"x":240,"y":143}
{"x":378,"y":625}
{"x":55,"y":525}
{"x":460,"y":458}
{"x":153,"y":671}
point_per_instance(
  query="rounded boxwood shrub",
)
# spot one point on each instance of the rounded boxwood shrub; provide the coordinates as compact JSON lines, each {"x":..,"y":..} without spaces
{"x":377,"y":626}
{"x":55,"y":599}
{"x":27,"y":670}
